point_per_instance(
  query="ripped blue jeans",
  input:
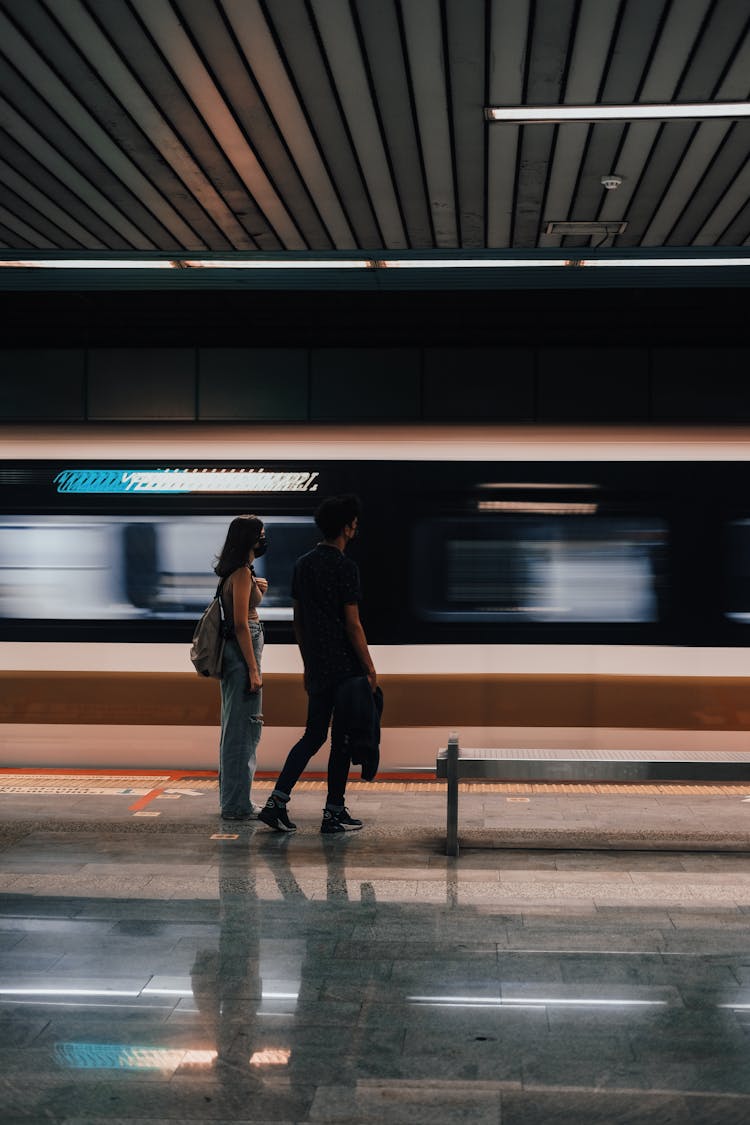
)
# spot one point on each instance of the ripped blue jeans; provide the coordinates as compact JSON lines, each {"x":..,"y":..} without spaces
{"x":241,"y":725}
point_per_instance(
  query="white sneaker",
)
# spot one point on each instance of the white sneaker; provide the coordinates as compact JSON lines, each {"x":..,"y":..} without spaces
{"x":254,"y":810}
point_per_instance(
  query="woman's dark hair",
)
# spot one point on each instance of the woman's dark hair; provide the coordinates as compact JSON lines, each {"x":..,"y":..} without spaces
{"x":244,"y":532}
{"x":335,"y":513}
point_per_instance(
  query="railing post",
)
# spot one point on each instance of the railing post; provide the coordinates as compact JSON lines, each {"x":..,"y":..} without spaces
{"x":451,"y":758}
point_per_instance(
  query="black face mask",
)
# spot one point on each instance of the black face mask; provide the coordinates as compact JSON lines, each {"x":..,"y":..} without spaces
{"x":260,"y":548}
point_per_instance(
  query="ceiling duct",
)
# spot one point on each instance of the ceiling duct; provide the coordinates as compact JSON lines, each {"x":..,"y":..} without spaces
{"x":586,"y":229}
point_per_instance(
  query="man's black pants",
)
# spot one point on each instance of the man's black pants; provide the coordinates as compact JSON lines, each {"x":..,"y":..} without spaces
{"x":319,"y":712}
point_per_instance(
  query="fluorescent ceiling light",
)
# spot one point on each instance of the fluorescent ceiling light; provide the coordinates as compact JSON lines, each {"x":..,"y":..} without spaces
{"x":93,"y":264}
{"x":466,"y":263}
{"x":550,"y":114}
{"x":188,"y":264}
{"x":618,"y":263}
{"x":278,"y":264}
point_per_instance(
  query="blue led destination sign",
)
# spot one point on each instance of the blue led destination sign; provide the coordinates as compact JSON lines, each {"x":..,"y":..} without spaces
{"x":183,"y":480}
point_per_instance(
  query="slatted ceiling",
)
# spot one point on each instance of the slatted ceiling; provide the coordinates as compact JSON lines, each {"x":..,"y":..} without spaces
{"x":509,"y":28}
{"x":730,"y":218}
{"x":339,"y":37}
{"x":658,"y":180}
{"x":687,"y":173}
{"x":16,"y":161}
{"x":29,"y":236}
{"x":384,"y":48}
{"x":79,"y":131}
{"x":256,"y":41}
{"x":87,"y":177}
{"x":147,"y":74}
{"x":30,"y":192}
{"x":687,"y":152}
{"x":186,"y":125}
{"x":424,"y":43}
{"x":131,"y":112}
{"x":719,"y":67}
{"x":307,"y":66}
{"x":71,"y":87}
{"x":552,"y":29}
{"x":736,"y":230}
{"x":162,"y":23}
{"x":588,"y":58}
{"x":636,"y":38}
{"x":466,"y":31}
{"x":677,"y":37}
{"x":48,"y":231}
{"x":703,"y":222}
{"x":224,"y":60}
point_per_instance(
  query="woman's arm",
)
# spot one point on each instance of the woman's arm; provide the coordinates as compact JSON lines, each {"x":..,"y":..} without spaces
{"x":241,"y":586}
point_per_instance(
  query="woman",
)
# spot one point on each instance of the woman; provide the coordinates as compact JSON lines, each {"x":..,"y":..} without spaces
{"x":241,"y":680}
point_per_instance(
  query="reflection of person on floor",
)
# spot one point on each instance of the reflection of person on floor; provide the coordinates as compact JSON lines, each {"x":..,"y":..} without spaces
{"x":324,"y":1047}
{"x":226,"y":981}
{"x":326,"y":594}
{"x":293,"y":944}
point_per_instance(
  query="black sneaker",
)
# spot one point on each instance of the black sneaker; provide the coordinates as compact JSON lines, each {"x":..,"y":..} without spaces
{"x":274,"y":814}
{"x":339,"y":822}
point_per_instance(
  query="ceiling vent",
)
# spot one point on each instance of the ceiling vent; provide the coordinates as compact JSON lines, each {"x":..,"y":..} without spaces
{"x":592,"y":229}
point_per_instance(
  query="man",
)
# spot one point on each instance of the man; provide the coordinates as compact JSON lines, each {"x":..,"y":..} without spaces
{"x":326,"y":594}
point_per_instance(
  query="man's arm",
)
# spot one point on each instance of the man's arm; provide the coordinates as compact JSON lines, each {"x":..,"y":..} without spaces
{"x":298,"y":635}
{"x":358,"y":641}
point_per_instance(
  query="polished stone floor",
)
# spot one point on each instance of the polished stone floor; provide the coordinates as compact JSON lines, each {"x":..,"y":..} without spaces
{"x":150,"y":973}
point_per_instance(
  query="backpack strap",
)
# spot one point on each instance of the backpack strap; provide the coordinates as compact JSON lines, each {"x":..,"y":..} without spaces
{"x":222,"y":612}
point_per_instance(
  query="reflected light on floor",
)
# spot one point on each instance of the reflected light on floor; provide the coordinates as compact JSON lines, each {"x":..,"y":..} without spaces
{"x":116,"y":1056}
{"x":270,"y":1056}
{"x":528,"y":1002}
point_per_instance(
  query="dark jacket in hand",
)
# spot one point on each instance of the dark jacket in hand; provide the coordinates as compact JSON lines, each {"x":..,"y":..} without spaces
{"x":356,"y":723}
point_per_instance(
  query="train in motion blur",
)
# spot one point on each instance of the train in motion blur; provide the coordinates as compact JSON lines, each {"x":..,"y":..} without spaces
{"x":554,"y":588}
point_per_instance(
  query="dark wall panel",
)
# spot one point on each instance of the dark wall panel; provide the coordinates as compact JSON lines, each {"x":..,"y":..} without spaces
{"x":503,"y":384}
{"x":42,"y":384}
{"x":360,"y":384}
{"x":592,"y":384}
{"x":252,"y":384}
{"x":701,"y":384}
{"x":478,"y":384}
{"x":141,"y":384}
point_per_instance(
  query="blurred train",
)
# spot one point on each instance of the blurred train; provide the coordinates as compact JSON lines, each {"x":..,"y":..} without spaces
{"x":550,"y":588}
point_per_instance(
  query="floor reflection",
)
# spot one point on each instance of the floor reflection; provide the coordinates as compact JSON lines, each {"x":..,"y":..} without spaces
{"x":315,"y":979}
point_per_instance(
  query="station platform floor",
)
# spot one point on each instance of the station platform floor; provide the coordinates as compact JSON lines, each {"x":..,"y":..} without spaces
{"x":586,"y":959}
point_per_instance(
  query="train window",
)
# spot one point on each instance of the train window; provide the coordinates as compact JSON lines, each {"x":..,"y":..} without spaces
{"x":109,"y":568}
{"x":737,"y":572}
{"x":538,"y":568}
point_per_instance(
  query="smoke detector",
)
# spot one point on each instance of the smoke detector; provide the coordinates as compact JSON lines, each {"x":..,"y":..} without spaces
{"x":611,"y":182}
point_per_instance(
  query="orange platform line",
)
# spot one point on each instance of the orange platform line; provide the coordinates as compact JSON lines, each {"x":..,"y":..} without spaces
{"x":91,"y":771}
{"x":175,"y":775}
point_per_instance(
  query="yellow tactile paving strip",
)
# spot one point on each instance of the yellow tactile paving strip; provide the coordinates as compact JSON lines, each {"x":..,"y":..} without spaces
{"x":91,"y":784}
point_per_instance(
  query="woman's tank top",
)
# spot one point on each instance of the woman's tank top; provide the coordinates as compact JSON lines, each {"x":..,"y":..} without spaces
{"x":256,"y":597}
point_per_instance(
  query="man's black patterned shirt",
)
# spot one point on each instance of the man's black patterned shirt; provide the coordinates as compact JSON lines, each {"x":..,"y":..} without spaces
{"x":324,"y":581}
